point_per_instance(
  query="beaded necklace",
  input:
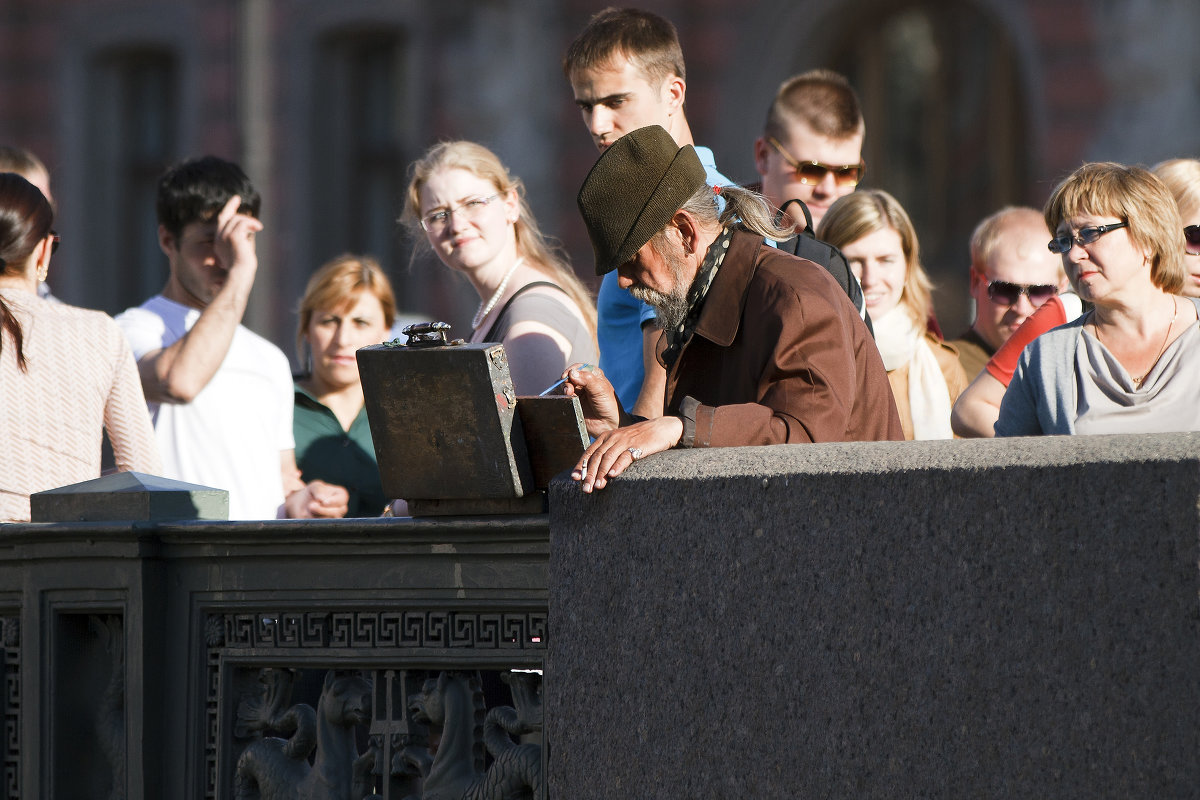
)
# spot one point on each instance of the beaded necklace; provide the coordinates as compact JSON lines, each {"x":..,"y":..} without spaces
{"x":486,"y":308}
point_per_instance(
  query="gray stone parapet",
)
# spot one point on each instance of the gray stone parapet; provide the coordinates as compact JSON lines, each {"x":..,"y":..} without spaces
{"x":1013,"y":618}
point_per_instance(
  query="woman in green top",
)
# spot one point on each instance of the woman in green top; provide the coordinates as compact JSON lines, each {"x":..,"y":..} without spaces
{"x":348,"y":304}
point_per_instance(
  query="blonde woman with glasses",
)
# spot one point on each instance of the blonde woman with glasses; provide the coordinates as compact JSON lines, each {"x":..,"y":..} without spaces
{"x":473,"y":215}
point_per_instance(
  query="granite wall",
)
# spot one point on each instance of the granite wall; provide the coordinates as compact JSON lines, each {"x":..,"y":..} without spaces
{"x":1012,"y":618}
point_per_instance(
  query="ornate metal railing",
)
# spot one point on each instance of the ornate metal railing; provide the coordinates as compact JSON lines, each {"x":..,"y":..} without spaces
{"x":381,"y":658}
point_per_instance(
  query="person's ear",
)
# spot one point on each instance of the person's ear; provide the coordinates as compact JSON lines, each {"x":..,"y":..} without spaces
{"x":512,"y":207}
{"x":978,"y":280}
{"x":688,"y":231}
{"x":674,"y":91}
{"x":166,"y":241}
{"x":42,"y":258}
{"x":761,"y":148}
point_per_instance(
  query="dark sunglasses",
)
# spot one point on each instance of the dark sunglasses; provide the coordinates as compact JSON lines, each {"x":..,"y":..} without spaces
{"x":1191,"y":235}
{"x":1061,"y":244}
{"x":1003,"y":293}
{"x":811,"y":173}
{"x":54,"y":242}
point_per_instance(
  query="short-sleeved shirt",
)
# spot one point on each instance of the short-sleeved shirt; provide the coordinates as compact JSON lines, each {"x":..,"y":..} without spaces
{"x":346,"y":458}
{"x":232,"y":433}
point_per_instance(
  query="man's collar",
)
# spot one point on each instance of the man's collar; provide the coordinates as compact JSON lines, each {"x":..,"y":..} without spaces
{"x":722,"y":313}
{"x":715,"y":253}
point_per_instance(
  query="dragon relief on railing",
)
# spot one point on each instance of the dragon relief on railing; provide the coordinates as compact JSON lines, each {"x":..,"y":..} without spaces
{"x":445,"y":764}
{"x":274,"y":768}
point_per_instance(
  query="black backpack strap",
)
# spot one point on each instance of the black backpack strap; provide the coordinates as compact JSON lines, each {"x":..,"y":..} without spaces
{"x":808,"y":223}
{"x":516,"y":294}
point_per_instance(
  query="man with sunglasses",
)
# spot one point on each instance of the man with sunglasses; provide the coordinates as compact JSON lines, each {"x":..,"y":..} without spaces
{"x":1012,"y":274}
{"x":811,"y":147}
{"x":811,"y":152}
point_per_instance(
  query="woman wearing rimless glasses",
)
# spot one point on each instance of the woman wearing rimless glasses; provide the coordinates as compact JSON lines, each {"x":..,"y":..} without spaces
{"x":1131,"y":364}
{"x":474,"y":217}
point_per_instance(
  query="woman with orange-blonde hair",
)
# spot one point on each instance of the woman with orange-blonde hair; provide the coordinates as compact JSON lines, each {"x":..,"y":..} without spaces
{"x":347,"y":305}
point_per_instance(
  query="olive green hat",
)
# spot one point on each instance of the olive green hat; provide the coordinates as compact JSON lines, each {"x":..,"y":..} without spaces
{"x":634,"y":190}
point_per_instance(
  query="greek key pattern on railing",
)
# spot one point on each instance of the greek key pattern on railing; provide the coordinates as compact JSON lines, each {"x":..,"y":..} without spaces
{"x":382,"y":629}
{"x":212,"y":710}
{"x":333,"y":630}
{"x":10,"y":628}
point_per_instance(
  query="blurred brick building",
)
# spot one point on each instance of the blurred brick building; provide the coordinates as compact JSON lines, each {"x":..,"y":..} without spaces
{"x":970,"y":105}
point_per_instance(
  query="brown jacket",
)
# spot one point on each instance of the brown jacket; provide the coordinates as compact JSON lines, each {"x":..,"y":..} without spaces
{"x":952,"y":371}
{"x":779,"y":355}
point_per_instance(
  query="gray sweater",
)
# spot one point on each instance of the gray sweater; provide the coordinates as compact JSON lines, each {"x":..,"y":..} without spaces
{"x":1042,"y":397}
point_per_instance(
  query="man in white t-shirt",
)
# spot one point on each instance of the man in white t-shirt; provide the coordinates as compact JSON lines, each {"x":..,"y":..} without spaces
{"x":220,"y":396}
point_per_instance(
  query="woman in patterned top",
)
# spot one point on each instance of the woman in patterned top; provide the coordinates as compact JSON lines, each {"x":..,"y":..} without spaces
{"x":66,"y":373}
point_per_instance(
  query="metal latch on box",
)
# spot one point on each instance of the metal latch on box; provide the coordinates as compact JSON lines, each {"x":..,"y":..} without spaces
{"x":428,"y":334}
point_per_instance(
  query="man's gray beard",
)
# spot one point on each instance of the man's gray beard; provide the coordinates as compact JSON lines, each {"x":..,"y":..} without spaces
{"x":671,"y":308}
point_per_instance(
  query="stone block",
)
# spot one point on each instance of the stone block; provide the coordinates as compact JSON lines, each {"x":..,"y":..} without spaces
{"x":1012,"y":618}
{"x":129,"y":497}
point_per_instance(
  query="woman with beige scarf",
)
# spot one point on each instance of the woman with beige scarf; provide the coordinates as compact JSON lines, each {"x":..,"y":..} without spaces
{"x":878,"y":239}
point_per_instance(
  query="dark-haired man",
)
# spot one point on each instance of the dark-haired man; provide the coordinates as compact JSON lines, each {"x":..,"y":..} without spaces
{"x":220,"y":396}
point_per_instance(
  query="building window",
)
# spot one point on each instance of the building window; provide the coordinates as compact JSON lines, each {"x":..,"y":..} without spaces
{"x":361,"y":150}
{"x":132,"y":116}
{"x":946,"y":131}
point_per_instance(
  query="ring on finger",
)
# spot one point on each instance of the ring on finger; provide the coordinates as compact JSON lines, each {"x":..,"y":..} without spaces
{"x":636,"y":452}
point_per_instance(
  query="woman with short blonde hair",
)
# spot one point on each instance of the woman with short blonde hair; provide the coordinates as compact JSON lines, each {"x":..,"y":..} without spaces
{"x":1131,"y":364}
{"x":1182,"y":177}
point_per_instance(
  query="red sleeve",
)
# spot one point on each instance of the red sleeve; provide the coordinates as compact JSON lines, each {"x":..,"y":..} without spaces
{"x":1051,"y":314}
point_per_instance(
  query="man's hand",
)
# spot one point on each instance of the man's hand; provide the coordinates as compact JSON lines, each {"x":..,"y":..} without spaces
{"x":317,"y":499}
{"x":601,"y":409}
{"x":234,"y":246}
{"x":613,"y":451}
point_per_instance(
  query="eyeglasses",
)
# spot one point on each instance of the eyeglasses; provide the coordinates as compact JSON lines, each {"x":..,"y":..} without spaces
{"x":1192,"y":236}
{"x":1003,"y":293}
{"x":813,"y":172}
{"x":471,"y":210}
{"x":54,"y":240}
{"x":1061,"y":244}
